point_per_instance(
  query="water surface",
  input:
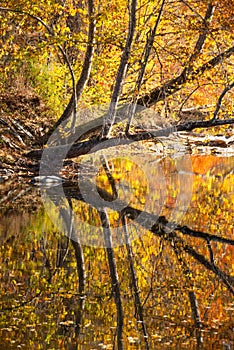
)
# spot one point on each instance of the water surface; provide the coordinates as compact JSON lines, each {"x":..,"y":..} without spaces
{"x":175,"y":280}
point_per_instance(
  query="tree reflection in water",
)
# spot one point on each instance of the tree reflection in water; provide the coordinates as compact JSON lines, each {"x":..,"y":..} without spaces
{"x":169,"y":285}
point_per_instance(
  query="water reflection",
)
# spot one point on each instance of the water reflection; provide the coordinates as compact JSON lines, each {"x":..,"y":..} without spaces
{"x":164,"y":278}
{"x":144,"y":187}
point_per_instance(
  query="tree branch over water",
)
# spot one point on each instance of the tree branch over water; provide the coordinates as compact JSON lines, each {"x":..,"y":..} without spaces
{"x":94,"y":144}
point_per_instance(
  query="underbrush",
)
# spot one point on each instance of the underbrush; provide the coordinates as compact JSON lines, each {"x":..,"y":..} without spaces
{"x":24,"y":120}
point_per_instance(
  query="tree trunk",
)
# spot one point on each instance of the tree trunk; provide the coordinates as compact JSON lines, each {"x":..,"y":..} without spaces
{"x":87,"y":65}
{"x":110,"y":119}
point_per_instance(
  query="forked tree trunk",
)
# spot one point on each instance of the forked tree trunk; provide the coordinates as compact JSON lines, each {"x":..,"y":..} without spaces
{"x":110,"y":118}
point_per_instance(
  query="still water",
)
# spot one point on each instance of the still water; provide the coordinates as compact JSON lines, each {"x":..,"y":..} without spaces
{"x":137,"y":254}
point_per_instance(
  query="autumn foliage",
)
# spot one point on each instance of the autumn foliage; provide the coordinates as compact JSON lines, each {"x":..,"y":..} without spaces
{"x":29,"y":54}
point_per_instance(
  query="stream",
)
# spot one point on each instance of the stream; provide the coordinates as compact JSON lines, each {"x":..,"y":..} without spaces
{"x":167,"y":236}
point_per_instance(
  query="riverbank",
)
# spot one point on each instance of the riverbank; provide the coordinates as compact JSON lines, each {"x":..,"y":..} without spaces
{"x":25,"y":120}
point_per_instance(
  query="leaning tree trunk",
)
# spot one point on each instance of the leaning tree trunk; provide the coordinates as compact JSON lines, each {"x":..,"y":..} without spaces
{"x":86,"y":69}
{"x":110,"y":118}
{"x":146,"y":55}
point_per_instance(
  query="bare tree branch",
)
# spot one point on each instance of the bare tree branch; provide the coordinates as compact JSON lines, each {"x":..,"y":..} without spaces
{"x":86,"y":69}
{"x":90,"y":146}
{"x":175,"y":84}
{"x":51,"y":32}
{"x":202,"y":37}
{"x":206,"y":236}
{"x":110,"y":118}
{"x":219,"y":103}
{"x":147,"y":50}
